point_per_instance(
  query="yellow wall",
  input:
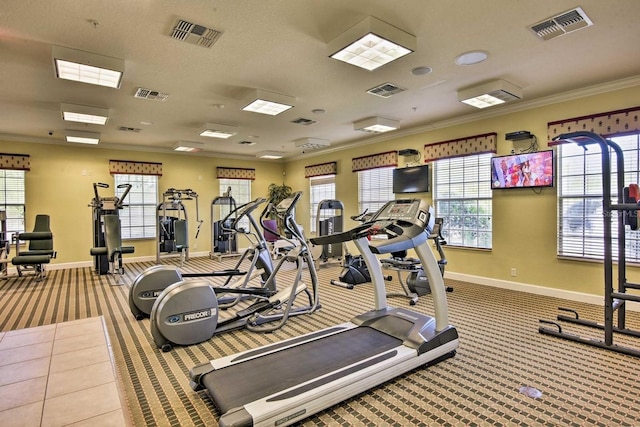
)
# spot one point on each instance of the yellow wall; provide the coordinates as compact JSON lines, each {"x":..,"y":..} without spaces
{"x":524,"y":223}
{"x":60,"y":184}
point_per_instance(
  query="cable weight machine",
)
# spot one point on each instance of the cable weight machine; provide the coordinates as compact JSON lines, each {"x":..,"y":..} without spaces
{"x":223,"y":237}
{"x":173,"y":225}
{"x":102,"y":207}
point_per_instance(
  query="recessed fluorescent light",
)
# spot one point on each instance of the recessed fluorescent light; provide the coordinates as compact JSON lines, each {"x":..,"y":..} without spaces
{"x":270,"y":155}
{"x":489,"y":94}
{"x":84,"y":114}
{"x":214,"y":130}
{"x":86,"y":67}
{"x":188,"y":146}
{"x":270,"y":103}
{"x":371,"y":43}
{"x":376,"y":125}
{"x":82,"y":137}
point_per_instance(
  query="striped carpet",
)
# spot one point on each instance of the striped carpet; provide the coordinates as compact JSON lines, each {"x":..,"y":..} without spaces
{"x":500,"y":351}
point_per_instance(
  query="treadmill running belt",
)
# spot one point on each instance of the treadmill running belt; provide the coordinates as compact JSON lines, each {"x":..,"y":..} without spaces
{"x":236,"y":385}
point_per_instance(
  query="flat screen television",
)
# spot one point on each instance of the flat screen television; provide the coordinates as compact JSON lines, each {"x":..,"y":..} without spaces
{"x":527,"y":170}
{"x":411,"y":179}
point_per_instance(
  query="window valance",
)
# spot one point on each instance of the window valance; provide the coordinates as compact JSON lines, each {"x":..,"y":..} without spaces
{"x":135,"y":168}
{"x":236,"y":173}
{"x":477,"y":144}
{"x":374,"y":161}
{"x":15,"y":161}
{"x":330,"y":168}
{"x":605,"y":124}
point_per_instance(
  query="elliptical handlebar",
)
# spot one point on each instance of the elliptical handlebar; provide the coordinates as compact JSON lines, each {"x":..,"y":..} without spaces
{"x":240,"y":212}
{"x":120,"y":201}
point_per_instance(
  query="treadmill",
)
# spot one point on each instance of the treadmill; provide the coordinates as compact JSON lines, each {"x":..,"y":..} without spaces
{"x":285,"y":382}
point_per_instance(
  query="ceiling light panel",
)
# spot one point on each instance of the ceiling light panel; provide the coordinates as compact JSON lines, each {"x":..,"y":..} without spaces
{"x":270,"y":155}
{"x":270,"y":103}
{"x":86,"y":67}
{"x":371,"y":43}
{"x":82,"y":137}
{"x":489,"y":94}
{"x":188,"y":146}
{"x":376,"y":125}
{"x":84,"y":114}
{"x":214,"y":130}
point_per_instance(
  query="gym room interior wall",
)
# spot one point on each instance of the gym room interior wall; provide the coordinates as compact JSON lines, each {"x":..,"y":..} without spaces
{"x":524,"y":223}
{"x":60,"y":184}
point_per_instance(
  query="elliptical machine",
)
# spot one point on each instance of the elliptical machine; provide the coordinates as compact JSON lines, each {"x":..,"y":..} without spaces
{"x":354,"y":270}
{"x":151,"y":282}
{"x":417,"y":282}
{"x":187,"y":312}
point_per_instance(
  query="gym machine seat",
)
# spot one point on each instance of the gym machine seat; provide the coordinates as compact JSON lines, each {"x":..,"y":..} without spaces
{"x":40,"y":250}
{"x":113,"y":248}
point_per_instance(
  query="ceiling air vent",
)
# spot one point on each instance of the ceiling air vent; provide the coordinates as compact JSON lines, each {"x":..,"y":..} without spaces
{"x":561,"y":24}
{"x":194,"y":34}
{"x":153,"y":95}
{"x":385,"y":90}
{"x":303,"y":121}
{"x":128,"y":129}
{"x":246,"y":143}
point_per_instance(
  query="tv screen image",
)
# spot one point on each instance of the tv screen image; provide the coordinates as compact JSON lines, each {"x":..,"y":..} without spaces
{"x":411,"y":179}
{"x":527,"y":170}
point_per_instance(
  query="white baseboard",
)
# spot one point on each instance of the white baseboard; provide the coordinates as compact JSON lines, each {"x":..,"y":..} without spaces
{"x":534,"y":289}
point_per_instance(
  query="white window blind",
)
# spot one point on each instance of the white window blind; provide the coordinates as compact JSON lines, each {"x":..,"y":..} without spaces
{"x":321,"y":188}
{"x":462,"y":196}
{"x":139,"y":216}
{"x":375,"y":188}
{"x":580,"y":225}
{"x":241,"y":193}
{"x":12,"y":199}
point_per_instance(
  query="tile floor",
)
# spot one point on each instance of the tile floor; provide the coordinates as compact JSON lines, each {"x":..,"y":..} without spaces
{"x":60,"y":375}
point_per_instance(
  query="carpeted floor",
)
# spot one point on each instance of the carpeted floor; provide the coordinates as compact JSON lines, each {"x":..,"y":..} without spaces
{"x":500,"y":351}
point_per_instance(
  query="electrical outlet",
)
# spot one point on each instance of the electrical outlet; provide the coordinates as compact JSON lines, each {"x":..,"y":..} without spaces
{"x":513,"y":272}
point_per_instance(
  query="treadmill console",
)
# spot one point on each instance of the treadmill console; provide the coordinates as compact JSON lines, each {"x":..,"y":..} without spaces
{"x":413,"y":211}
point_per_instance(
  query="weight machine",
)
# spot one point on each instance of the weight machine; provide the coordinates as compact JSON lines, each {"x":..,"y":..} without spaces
{"x":107,"y":240}
{"x":329,"y":220}
{"x":172,"y":226}
{"x":625,"y":209}
{"x":223,"y":237}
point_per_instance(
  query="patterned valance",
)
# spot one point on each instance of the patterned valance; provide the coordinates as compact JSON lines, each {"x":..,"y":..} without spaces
{"x":374,"y":161}
{"x":477,"y":144}
{"x":134,"y":168}
{"x":605,"y":124}
{"x":236,"y":173}
{"x":15,"y":161}
{"x":330,"y":168}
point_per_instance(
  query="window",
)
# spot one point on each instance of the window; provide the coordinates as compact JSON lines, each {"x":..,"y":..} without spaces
{"x":139,"y":217}
{"x":12,"y":196}
{"x":580,"y":226}
{"x":321,"y":188}
{"x":374,"y":188}
{"x":462,"y":197}
{"x":241,"y":193}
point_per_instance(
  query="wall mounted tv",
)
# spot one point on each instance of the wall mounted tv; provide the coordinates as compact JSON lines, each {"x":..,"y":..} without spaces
{"x":411,"y":179}
{"x":527,"y":170}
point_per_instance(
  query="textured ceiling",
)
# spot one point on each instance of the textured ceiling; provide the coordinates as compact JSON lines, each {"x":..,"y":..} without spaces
{"x":281,"y":46}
